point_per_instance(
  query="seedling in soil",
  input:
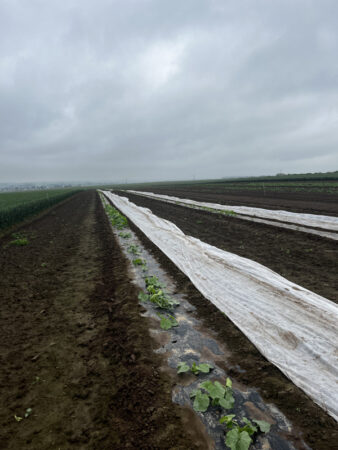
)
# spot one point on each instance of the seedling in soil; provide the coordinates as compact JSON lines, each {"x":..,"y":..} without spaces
{"x":19,"y":240}
{"x":229,"y":212}
{"x":139,"y":262}
{"x":153,"y":281}
{"x":195,"y":369}
{"x":167,"y":322}
{"x":117,"y":220}
{"x":143,"y":297}
{"x":157,"y":296}
{"x":134,"y":249}
{"x":125,"y":235}
{"x":240,"y":437}
{"x":37,"y":380}
{"x":218,"y":394}
{"x":28,"y":412}
{"x":201,"y":402}
{"x":160,"y":299}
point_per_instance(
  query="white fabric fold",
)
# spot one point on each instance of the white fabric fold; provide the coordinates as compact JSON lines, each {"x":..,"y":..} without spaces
{"x":292,"y":327}
{"x":308,"y":220}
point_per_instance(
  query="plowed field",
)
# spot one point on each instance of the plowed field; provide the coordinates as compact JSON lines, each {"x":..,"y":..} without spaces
{"x":73,"y":346}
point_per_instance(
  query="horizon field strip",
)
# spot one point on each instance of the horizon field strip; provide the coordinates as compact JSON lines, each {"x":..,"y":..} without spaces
{"x":17,"y":206}
{"x":12,"y":199}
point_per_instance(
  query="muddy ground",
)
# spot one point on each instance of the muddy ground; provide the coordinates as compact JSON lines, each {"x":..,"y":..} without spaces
{"x":306,"y":202}
{"x":74,"y":350}
{"x":314,"y":269}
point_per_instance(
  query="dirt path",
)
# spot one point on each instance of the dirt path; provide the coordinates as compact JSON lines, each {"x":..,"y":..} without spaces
{"x":73,"y":347}
{"x":306,"y":202}
{"x":245,"y":363}
{"x":305,"y":259}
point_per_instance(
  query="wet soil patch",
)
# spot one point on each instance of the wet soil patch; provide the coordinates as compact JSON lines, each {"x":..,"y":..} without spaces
{"x":246,"y":364}
{"x":308,"y":260}
{"x":75,"y":354}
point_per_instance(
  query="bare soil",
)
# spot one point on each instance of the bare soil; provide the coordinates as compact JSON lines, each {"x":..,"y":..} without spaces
{"x":308,"y":260}
{"x":73,"y":346}
{"x":306,"y":202}
{"x":315,"y":269}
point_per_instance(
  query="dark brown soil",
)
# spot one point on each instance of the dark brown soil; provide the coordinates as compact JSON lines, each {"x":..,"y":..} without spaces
{"x":73,"y":346}
{"x":306,"y":259}
{"x":307,"y":202}
{"x":245,"y":364}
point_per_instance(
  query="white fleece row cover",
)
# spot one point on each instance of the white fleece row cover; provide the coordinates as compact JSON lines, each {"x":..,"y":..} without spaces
{"x":292,"y":327}
{"x":308,"y":220}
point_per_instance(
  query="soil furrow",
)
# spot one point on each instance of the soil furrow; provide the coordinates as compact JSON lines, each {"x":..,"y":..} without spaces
{"x":245,"y":363}
{"x":306,"y":202}
{"x":308,"y":260}
{"x":75,"y":354}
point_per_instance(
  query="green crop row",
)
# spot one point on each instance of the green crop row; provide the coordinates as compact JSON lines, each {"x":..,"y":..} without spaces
{"x":12,"y":215}
{"x":240,"y":433}
{"x":11,"y":199}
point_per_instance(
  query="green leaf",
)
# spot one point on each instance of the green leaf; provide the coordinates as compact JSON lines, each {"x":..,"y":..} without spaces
{"x":138,"y":262}
{"x":17,"y":418}
{"x":216,"y":391}
{"x":229,"y":383}
{"x":151,"y":289}
{"x":168,"y":322}
{"x":19,"y":242}
{"x":244,"y":441}
{"x":194,"y":369}
{"x":193,"y":393}
{"x":133,"y":249}
{"x":125,"y":235}
{"x":249,"y":427}
{"x":207,"y":385}
{"x":154,"y":281}
{"x":227,"y":402}
{"x":28,"y":412}
{"x":264,"y":426}
{"x":201,"y":402}
{"x":204,"y":368}
{"x":232,"y":438}
{"x":182,"y":367}
{"x":165,"y":323}
{"x":227,"y":419}
{"x":174,"y":322}
{"x":238,"y":440}
{"x":143,"y":297}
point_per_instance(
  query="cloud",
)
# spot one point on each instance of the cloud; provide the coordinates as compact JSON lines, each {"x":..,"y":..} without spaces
{"x":150,"y":90}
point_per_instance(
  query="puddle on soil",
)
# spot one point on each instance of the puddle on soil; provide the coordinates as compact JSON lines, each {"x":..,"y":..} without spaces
{"x":191,"y":342}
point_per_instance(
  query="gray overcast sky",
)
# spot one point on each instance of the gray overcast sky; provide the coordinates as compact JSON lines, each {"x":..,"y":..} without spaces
{"x":167,"y":89}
